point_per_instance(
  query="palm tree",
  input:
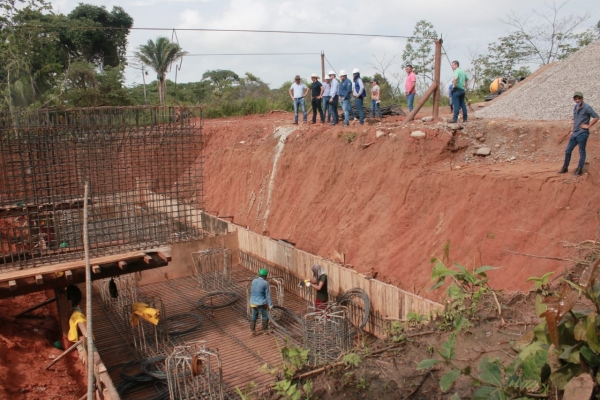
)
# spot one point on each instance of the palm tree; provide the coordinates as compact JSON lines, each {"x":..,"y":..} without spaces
{"x":159,"y":56}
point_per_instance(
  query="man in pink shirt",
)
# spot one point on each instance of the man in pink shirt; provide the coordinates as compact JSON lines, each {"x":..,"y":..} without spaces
{"x":410,"y":87}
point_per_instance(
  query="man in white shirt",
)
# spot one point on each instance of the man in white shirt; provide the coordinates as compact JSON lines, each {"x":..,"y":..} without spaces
{"x":298,"y":91}
{"x":333,"y":100}
{"x":326,"y":97}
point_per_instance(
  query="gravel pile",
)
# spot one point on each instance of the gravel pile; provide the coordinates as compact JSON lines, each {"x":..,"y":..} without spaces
{"x":549,"y":95}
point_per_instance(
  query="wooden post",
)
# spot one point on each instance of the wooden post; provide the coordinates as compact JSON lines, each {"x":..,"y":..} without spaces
{"x":63,"y":308}
{"x":436,"y":77}
{"x":322,"y":66}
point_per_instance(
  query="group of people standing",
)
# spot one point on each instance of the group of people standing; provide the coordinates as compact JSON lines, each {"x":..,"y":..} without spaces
{"x":326,"y":95}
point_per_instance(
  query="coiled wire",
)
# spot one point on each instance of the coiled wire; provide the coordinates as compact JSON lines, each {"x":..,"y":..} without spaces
{"x":347,"y":300}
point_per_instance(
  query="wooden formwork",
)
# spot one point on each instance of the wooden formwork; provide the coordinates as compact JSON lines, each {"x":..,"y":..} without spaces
{"x":388,"y":302}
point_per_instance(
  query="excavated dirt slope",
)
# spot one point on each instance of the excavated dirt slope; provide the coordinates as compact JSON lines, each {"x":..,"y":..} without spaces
{"x":386,"y":205}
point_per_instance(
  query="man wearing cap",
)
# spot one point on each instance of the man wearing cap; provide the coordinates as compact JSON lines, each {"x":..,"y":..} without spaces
{"x":298,"y":91}
{"x":316,"y":89}
{"x":410,"y":86}
{"x":326,"y":98}
{"x":333,"y":101}
{"x":260,"y":299}
{"x":375,"y":99}
{"x":345,"y":91}
{"x":359,"y":93}
{"x":584,"y":117}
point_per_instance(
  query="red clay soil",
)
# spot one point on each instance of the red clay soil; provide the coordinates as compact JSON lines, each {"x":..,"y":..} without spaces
{"x":388,"y":204}
{"x":26,"y":348}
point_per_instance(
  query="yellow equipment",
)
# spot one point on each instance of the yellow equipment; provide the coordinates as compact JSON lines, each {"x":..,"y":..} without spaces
{"x":498,"y":85}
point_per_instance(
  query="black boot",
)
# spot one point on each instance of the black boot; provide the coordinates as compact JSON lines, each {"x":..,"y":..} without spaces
{"x":578,"y":172}
{"x":253,"y":327}
{"x":265,"y":325}
{"x":563,"y":170}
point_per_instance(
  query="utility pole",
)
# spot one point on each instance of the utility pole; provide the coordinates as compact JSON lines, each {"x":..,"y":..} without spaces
{"x":322,"y":66}
{"x":144,"y":80}
{"x":436,"y":77}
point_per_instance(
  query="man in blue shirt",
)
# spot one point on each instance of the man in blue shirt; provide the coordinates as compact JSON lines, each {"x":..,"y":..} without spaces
{"x":584,"y":117}
{"x":260,"y":299}
{"x":345,"y":91}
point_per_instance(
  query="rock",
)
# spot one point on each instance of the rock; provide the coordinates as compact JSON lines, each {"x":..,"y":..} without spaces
{"x":418,"y":134}
{"x":483,"y":151}
{"x":379,"y":134}
{"x":497,"y":146}
{"x":457,"y":167}
{"x":427,"y":119}
{"x":482,"y":139}
{"x":513,"y":158}
{"x":579,"y":388}
{"x":478,"y":135}
{"x":454,"y":126}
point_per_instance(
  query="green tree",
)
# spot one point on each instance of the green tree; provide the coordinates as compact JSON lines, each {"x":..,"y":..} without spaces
{"x":420,"y":52}
{"x":159,"y":56}
{"x":547,"y":35}
{"x":221,"y":78}
{"x":99,"y":46}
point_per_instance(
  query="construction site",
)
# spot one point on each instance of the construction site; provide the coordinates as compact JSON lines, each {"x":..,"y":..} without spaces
{"x":152,"y":222}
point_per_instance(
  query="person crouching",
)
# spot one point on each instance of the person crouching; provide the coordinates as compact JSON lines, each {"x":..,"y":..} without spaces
{"x":260,"y":299}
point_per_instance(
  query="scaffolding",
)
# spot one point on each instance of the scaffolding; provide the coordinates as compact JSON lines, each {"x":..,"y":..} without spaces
{"x":144,"y":165}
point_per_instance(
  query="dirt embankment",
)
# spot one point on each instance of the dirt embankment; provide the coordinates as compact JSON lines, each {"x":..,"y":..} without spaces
{"x":386,"y":205}
{"x":26,"y":348}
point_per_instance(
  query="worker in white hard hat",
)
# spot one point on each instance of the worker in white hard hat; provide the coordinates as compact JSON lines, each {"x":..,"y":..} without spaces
{"x":359,"y":93}
{"x":333,"y":101}
{"x":316,"y":89}
{"x":326,"y":97}
{"x":345,"y":92}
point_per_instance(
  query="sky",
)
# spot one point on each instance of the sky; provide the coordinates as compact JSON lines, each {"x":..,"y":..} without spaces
{"x":465,"y":25}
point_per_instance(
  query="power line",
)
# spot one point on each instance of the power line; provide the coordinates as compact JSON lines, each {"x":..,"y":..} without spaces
{"x":81,"y":27}
{"x":246,"y":54}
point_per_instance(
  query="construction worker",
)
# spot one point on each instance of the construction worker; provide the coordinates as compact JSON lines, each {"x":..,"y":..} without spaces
{"x":584,"y":117}
{"x":260,"y":299}
{"x":319,"y":282}
{"x":326,"y":98}
{"x":334,"y":97}
{"x":345,"y":91}
{"x":375,"y":99}
{"x":317,"y":90}
{"x":410,"y":87}
{"x":298,"y":91}
{"x":359,"y":93}
{"x":459,"y":90}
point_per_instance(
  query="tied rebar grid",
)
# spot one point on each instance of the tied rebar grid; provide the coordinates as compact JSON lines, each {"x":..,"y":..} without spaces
{"x":327,"y":334}
{"x":195,"y":372}
{"x":213,"y":268}
{"x":145,"y":170}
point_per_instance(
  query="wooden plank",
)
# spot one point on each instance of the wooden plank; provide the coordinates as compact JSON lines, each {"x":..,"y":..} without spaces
{"x":96,"y":269}
{"x":30,"y":272}
{"x":69,"y":275}
{"x":165,"y":255}
{"x":39,"y":279}
{"x":122,"y":265}
{"x":147,"y":259}
{"x":12,"y":285}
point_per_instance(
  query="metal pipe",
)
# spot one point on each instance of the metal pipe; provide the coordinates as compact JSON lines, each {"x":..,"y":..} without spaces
{"x":322,"y":66}
{"x":30,"y":309}
{"x":88,"y":294}
{"x":421,"y":102}
{"x":436,"y":77}
{"x":70,"y":349}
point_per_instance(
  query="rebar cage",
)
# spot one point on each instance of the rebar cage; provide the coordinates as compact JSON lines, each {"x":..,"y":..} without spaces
{"x":195,"y":372}
{"x":327,"y":333}
{"x":144,"y":165}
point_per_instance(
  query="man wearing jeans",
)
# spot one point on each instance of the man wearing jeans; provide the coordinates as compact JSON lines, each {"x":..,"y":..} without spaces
{"x":345,"y":91}
{"x":298,"y":91}
{"x":375,"y":99}
{"x":459,"y":83}
{"x":326,"y":97}
{"x":584,"y":117}
{"x":358,"y":90}
{"x":410,"y":87}
{"x":316,"y":89}
{"x":333,"y":101}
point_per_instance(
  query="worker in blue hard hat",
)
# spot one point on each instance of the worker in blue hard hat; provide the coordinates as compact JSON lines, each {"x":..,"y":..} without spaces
{"x":260,"y":299}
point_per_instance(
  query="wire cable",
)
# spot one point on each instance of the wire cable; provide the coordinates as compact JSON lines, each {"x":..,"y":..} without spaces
{"x":90,"y":27}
